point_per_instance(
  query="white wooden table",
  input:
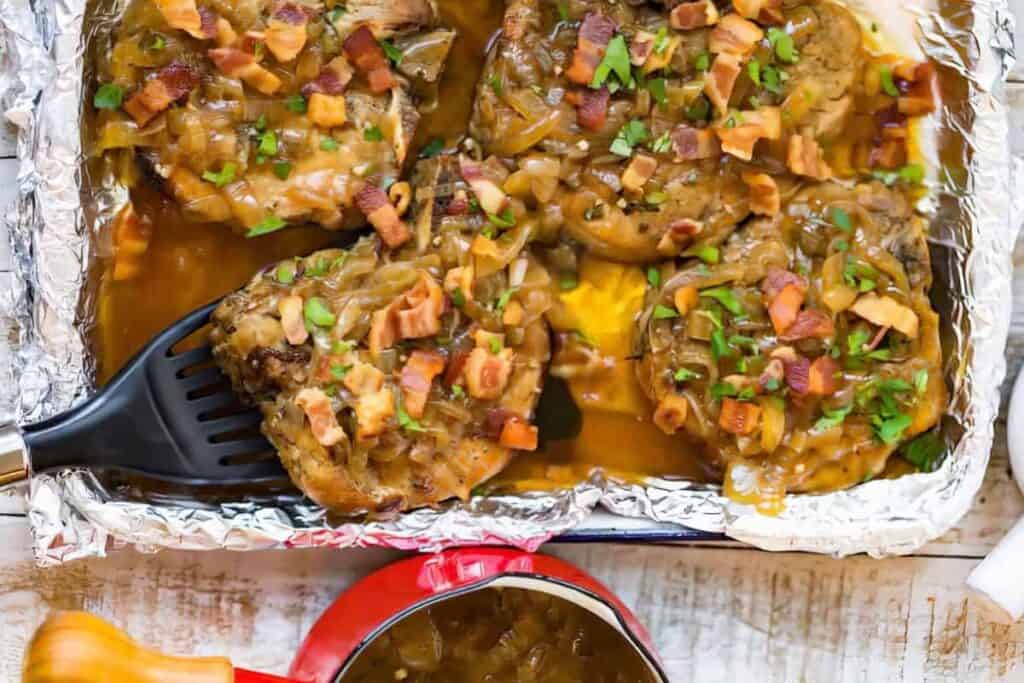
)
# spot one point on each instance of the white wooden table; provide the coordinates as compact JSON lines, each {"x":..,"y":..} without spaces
{"x":716,"y":613}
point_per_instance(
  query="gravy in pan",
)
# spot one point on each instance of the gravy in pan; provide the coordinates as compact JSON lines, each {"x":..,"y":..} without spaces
{"x":500,"y":635}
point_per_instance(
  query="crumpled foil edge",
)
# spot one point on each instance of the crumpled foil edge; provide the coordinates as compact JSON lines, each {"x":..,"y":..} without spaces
{"x":73,"y":516}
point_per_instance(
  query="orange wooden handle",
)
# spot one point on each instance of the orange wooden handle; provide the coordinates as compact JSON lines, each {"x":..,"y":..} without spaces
{"x":77,"y":647}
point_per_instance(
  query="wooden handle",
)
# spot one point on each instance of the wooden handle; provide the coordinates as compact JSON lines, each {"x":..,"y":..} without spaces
{"x":77,"y":647}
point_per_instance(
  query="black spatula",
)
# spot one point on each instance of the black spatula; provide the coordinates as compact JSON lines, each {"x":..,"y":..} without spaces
{"x":166,"y":415}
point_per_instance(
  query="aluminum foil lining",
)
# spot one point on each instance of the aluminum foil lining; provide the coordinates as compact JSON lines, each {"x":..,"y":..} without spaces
{"x":45,"y":308}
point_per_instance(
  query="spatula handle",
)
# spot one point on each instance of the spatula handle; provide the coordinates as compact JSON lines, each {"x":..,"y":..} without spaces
{"x":77,"y":647}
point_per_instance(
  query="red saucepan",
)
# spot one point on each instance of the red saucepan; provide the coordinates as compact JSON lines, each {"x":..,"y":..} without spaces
{"x":76,"y":647}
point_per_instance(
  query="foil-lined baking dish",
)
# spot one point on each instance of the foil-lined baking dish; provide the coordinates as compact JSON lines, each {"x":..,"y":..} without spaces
{"x":50,"y":309}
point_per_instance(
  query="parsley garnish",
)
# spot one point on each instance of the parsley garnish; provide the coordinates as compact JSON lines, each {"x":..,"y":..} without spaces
{"x":108,"y":96}
{"x":726,"y":297}
{"x":504,"y":298}
{"x":658,"y":90}
{"x":406,"y":422}
{"x":783,"y":45}
{"x":841,"y":219}
{"x":295,"y":103}
{"x":703,"y":61}
{"x":317,"y":314}
{"x":924,"y":452}
{"x":496,"y":85}
{"x":832,"y":417}
{"x":616,"y":60}
{"x":495,"y":344}
{"x":282,"y":169}
{"x":285,"y":273}
{"x":661,"y":40}
{"x":506,"y":219}
{"x":567,"y":282}
{"x":684,"y":375}
{"x":222,"y":177}
{"x":754,"y":71}
{"x":338,"y":371}
{"x":705,"y":253}
{"x":373,"y":134}
{"x":392,"y":52}
{"x":890,"y":89}
{"x":662,"y":312}
{"x":267,"y":225}
{"x":432,"y":148}
{"x":719,"y":345}
{"x":458,"y":298}
{"x":328,"y":144}
{"x":268,"y":143}
{"x":632,"y":133}
{"x":654,"y":276}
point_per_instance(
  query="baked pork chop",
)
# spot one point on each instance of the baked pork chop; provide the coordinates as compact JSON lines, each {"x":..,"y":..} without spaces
{"x":262,"y":114}
{"x":388,"y":381}
{"x":809,"y":353}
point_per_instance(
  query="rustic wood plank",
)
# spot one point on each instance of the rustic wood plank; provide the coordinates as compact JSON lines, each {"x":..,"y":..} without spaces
{"x":716,"y":614}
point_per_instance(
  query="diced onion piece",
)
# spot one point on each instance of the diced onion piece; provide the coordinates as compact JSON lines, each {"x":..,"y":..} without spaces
{"x":764,"y":193}
{"x":286,"y":31}
{"x":735,"y":35}
{"x":887,"y":312}
{"x":773,"y":424}
{"x":690,"y":15}
{"x":739,"y":417}
{"x":835,"y":293}
{"x":805,"y":158}
{"x":183,"y":15}
{"x":327,"y":111}
{"x":363,"y":378}
{"x":491,"y":197}
{"x":670,"y":415}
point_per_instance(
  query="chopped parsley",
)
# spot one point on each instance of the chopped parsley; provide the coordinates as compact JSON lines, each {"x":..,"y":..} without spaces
{"x":328,"y":144}
{"x":496,"y":85}
{"x":911,"y":174}
{"x":458,"y":391}
{"x":832,"y":417}
{"x":295,"y":103}
{"x":319,"y":267}
{"x":568,"y":282}
{"x":495,"y":344}
{"x":282,"y":169}
{"x":662,"y":312}
{"x":268,"y":143}
{"x":406,"y":422}
{"x":842,"y":245}
{"x":684,"y":375}
{"x":655,"y":198}
{"x":841,"y":219}
{"x":699,"y":109}
{"x":888,"y":86}
{"x":782,"y":44}
{"x":754,"y":71}
{"x":391,"y":52}
{"x":432,"y":148}
{"x":719,"y":345}
{"x":662,"y":144}
{"x":632,"y":133}
{"x":703,"y":61}
{"x":373,"y":134}
{"x":342,"y":346}
{"x":720,"y":390}
{"x":658,"y":90}
{"x":285,"y":273}
{"x":889,"y":430}
{"x":225,"y":175}
{"x":654,"y":276}
{"x":458,"y":298}
{"x":506,"y":219}
{"x":705,"y":253}
{"x":726,"y":297}
{"x":337,"y":13}
{"x":772,"y":79}
{"x":338,"y":370}
{"x":563,"y":10}
{"x":108,"y":96}
{"x":661,"y":41}
{"x":316,"y":313}
{"x":924,"y":452}
{"x":267,"y":225}
{"x":261,"y":122}
{"x":615,"y":61}
{"x":158,"y":43}
{"x":504,"y":298}
{"x":921,"y":381}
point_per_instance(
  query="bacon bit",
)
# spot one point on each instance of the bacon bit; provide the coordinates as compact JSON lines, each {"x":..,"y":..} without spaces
{"x":821,"y":379}
{"x":486,"y":373}
{"x":887,"y":312}
{"x":459,"y":205}
{"x":460,"y":278}
{"x":595,"y":33}
{"x":739,"y":141}
{"x":687,"y":16}
{"x":417,"y":375}
{"x":735,"y":36}
{"x":777,"y":279}
{"x":764,"y":193}
{"x":363,"y":378}
{"x":798,"y":372}
{"x":182,"y":14}
{"x":775,"y":371}
{"x":225,"y":34}
{"x":374,"y":204}
{"x":685,"y":299}
{"x":641,"y":47}
{"x":920,"y":91}
{"x":785,"y":307}
{"x":327,"y":111}
{"x":424,"y":305}
{"x":805,"y":158}
{"x":721,"y":81}
{"x":373,"y":412}
{"x":809,"y":324}
{"x":322,"y":420}
{"x":239,"y":64}
{"x":787,"y":354}
{"x":679,"y":233}
{"x":592,"y":109}
{"x":170,"y":84}
{"x":209,"y":22}
{"x":693,"y":144}
{"x":670,"y":415}
{"x":518,"y":435}
{"x":363,"y":50}
{"x":764,"y":11}
{"x":456,"y":365}
{"x":738,"y":417}
{"x":640,"y":169}
{"x":332,"y":79}
{"x":491,"y":197}
{"x":131,"y":240}
{"x":286,"y":31}
{"x":290,"y":308}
